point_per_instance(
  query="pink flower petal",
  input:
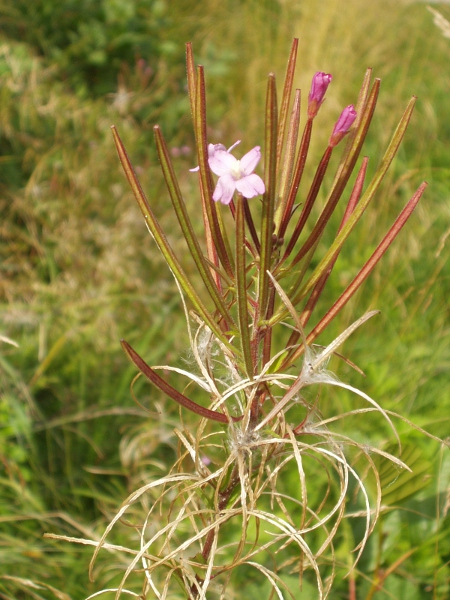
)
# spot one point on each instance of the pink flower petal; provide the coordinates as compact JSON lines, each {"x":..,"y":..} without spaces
{"x":319,"y":86}
{"x":345,"y":120}
{"x":343,"y":124}
{"x":250,"y":160}
{"x":212,"y":148}
{"x":221,"y":163}
{"x":250,"y":186}
{"x":224,"y":189}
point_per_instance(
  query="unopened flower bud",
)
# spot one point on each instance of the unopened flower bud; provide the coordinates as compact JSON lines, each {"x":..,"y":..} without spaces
{"x":343,"y":124}
{"x":319,"y":86}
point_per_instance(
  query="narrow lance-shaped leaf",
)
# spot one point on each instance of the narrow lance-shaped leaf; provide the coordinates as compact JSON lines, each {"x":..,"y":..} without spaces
{"x":269,"y":196}
{"x":241,"y":288}
{"x":166,"y":388}
{"x":158,"y":235}
{"x":205,"y":173}
{"x":186,"y":227}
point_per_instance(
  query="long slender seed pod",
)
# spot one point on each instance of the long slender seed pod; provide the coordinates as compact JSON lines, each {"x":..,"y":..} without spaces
{"x":353,"y":201}
{"x":187,"y":229}
{"x":210,"y":247}
{"x":286,"y":168}
{"x":367,"y":197}
{"x":269,"y":196}
{"x":205,"y":173}
{"x":363,"y":273}
{"x":344,"y":174}
{"x":309,"y":203}
{"x":158,"y":235}
{"x":317,"y":291}
{"x":370,"y":264}
{"x":286,"y":98}
{"x":365,"y":200}
{"x":298,"y":172}
{"x":172,"y":392}
{"x":191,"y":77}
{"x":241,"y":288}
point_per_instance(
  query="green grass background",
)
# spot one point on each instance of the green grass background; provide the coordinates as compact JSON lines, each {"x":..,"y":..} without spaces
{"x":78,"y":270}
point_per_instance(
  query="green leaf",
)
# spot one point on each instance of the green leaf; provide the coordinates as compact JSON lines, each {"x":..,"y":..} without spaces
{"x":399,"y":485}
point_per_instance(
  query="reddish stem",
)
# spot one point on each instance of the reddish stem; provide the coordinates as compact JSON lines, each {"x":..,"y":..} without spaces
{"x":312,"y":195}
{"x":299,"y":167}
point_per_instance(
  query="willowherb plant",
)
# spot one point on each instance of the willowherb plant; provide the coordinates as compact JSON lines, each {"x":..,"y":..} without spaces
{"x":250,"y":490}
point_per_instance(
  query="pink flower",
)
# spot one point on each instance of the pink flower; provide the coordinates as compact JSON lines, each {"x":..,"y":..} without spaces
{"x":236,"y":174}
{"x":343,"y":124}
{"x":212,"y":148}
{"x":319,"y":86}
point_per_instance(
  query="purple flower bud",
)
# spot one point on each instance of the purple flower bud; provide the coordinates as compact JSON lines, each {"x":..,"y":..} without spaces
{"x":319,"y":86}
{"x":343,"y":124}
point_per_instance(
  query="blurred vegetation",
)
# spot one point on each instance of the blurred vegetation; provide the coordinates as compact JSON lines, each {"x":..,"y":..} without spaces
{"x":89,"y":41}
{"x":78,"y":271}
